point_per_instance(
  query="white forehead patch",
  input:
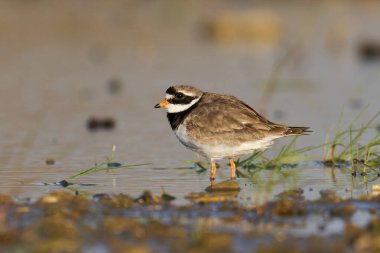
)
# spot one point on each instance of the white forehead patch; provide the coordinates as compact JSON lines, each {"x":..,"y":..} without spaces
{"x":168,"y":96}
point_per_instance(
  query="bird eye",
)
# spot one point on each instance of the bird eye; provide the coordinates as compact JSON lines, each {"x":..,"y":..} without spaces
{"x":179,"y":95}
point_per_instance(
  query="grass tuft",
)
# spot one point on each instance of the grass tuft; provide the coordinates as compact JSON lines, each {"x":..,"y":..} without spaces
{"x":346,"y":148}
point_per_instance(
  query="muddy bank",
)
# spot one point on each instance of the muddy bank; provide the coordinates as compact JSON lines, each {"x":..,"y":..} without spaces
{"x":211,"y":222}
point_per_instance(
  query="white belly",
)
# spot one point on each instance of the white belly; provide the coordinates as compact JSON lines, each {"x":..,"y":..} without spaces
{"x":220,"y":151}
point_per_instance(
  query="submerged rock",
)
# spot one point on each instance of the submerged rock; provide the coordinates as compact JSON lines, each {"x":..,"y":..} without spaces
{"x":295,"y":194}
{"x":225,"y":186}
{"x":203,"y":197}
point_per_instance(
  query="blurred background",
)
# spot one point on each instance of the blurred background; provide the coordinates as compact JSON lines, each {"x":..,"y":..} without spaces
{"x":77,"y":77}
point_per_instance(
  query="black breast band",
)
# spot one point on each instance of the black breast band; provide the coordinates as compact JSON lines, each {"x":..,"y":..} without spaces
{"x":175,"y":119}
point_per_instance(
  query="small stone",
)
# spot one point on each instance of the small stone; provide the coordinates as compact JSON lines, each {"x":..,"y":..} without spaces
{"x":369,"y":51}
{"x":145,"y":198}
{"x":92,"y":124}
{"x":108,"y":123}
{"x":64,"y":183}
{"x":50,"y":161}
{"x":167,"y":197}
{"x":97,"y":124}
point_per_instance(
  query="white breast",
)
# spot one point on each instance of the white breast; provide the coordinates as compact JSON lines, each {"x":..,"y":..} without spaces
{"x":184,"y":138}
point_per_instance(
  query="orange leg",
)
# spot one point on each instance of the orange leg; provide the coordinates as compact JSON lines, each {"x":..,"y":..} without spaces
{"x":233,"y":169}
{"x":213,"y":170}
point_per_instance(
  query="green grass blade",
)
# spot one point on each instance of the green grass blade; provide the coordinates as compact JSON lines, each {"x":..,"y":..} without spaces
{"x":99,"y":168}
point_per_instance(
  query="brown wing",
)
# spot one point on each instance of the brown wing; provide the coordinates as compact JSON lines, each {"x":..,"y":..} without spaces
{"x":225,"y":117}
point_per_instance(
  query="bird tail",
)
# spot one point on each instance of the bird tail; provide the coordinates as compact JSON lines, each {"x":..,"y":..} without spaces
{"x":297,"y":131}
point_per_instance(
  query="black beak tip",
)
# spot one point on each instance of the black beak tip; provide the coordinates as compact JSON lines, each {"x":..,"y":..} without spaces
{"x":157,"y":106}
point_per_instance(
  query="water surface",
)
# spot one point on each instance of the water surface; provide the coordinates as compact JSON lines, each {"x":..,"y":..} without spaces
{"x":55,"y":75}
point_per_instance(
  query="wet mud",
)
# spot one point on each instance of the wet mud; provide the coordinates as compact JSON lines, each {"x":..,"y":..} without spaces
{"x":212,"y":221}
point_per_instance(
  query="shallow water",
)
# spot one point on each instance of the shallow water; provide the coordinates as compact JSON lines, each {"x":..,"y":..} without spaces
{"x":52,"y":80}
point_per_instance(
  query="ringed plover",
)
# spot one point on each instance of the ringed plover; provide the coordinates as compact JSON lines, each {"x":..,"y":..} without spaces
{"x":218,"y":126}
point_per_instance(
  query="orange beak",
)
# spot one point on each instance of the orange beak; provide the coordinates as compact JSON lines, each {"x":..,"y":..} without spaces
{"x":163,"y":103}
